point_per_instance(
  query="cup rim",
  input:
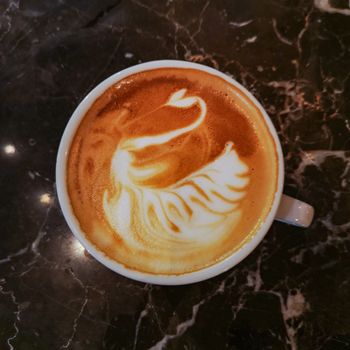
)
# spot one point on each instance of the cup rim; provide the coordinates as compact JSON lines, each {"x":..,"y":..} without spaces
{"x":160,"y":279}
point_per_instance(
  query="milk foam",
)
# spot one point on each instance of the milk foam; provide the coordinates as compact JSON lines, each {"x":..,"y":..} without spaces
{"x":200,"y":209}
{"x":171,"y":170}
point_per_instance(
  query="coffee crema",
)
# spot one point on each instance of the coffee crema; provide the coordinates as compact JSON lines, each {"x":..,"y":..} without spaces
{"x":171,"y":170}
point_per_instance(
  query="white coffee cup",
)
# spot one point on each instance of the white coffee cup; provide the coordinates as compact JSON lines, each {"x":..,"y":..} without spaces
{"x":284,"y":208}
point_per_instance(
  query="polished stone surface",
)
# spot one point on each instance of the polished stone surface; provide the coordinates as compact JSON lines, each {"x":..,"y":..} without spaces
{"x":293,"y":292}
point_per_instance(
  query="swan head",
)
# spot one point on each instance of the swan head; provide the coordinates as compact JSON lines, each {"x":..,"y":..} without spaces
{"x":177,"y":99}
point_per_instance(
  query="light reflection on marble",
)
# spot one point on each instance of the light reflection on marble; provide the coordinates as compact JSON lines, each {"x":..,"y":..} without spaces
{"x":9,"y":149}
{"x":45,"y":198}
{"x":77,"y":248}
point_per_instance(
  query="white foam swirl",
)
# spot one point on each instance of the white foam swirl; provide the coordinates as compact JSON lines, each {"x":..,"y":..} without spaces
{"x":197,"y":210}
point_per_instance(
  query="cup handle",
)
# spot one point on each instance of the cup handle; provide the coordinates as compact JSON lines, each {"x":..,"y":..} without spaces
{"x":294,"y":212}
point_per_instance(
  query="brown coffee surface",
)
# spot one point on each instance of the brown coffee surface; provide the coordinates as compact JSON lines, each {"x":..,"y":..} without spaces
{"x":171,"y":170}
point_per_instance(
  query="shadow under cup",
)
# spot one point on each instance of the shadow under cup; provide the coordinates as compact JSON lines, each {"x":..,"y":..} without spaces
{"x":182,"y":100}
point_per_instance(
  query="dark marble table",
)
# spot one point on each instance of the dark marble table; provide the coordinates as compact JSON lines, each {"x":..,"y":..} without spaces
{"x":293,"y":292}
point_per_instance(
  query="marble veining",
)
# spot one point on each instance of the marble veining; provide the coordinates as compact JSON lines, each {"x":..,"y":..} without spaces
{"x":292,"y":292}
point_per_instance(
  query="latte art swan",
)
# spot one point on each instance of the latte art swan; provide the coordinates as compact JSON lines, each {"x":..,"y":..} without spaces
{"x":194,"y":211}
{"x":171,"y":170}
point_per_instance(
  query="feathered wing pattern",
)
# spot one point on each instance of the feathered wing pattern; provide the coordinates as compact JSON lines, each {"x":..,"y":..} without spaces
{"x":199,"y":207}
